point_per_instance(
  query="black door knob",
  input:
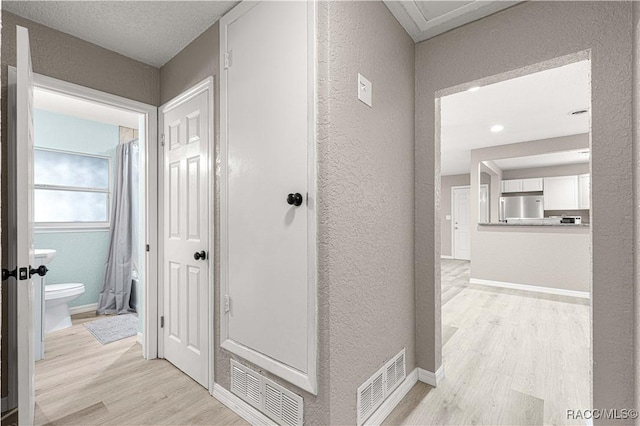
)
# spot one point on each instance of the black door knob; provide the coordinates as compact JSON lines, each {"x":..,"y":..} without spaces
{"x":294,"y":199}
{"x":40,"y":270}
{"x":202,"y":255}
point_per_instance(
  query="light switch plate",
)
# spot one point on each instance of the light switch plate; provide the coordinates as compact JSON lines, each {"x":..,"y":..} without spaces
{"x":447,"y":217}
{"x":365,"y":89}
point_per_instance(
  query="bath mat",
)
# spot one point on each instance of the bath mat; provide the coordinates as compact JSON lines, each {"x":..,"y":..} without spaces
{"x":113,"y":328}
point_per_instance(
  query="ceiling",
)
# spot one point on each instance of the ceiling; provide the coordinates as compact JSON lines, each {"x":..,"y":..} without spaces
{"x":424,"y":19}
{"x":76,"y":107}
{"x":532,"y":107}
{"x":152,"y":32}
{"x":544,"y":160}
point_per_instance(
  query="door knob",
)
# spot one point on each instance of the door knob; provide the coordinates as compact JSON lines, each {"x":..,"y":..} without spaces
{"x":40,"y":270}
{"x":7,"y":273}
{"x":294,"y":199}
{"x":201,"y":255}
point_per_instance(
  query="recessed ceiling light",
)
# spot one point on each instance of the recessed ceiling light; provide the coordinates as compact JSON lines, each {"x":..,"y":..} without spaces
{"x":473,"y":89}
{"x":579,"y":111}
{"x":497,"y":128}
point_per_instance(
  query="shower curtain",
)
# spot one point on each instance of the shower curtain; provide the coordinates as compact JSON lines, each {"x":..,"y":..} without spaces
{"x":116,"y":286}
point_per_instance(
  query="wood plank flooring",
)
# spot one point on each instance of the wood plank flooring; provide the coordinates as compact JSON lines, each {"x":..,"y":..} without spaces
{"x":510,"y":358}
{"x":81,"y":382}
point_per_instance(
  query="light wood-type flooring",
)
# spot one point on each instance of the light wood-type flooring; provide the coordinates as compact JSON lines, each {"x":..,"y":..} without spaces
{"x":510,"y":358}
{"x":81,"y":382}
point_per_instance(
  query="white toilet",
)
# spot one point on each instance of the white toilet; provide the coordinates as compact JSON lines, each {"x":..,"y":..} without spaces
{"x":56,"y":304}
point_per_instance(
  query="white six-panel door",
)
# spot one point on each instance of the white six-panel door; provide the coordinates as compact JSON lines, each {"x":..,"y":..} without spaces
{"x":186,"y":232}
{"x":267,"y":153}
{"x":23,"y":172}
{"x":461,"y":229}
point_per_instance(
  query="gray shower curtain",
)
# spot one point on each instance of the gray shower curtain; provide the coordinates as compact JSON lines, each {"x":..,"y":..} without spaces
{"x":116,"y":286}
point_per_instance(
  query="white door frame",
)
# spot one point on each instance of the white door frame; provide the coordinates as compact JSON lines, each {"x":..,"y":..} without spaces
{"x":205,"y":85}
{"x":453,"y":219}
{"x":486,"y":187}
{"x":307,"y":381}
{"x":150,"y":112}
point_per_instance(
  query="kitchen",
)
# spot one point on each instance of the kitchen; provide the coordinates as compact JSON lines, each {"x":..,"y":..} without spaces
{"x":516,"y":244}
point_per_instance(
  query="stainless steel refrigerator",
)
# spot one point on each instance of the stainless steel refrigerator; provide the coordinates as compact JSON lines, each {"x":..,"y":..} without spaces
{"x":521,"y":207}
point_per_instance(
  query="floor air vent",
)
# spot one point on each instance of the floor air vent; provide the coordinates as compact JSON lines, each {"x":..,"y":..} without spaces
{"x":373,"y":392}
{"x":280,"y":404}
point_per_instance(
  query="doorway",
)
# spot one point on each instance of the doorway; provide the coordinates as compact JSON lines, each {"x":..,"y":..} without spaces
{"x":72,"y":209}
{"x":461,"y":240}
{"x":515,"y":256}
{"x":185,"y":296}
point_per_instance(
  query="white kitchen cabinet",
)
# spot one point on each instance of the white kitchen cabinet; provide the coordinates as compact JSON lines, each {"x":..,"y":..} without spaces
{"x":530,"y":185}
{"x":512,"y":185}
{"x":561,"y":193}
{"x":584,"y":191}
{"x":522,"y":185}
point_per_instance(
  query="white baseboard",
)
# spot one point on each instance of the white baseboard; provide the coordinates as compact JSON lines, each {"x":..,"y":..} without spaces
{"x":73,"y":310}
{"x":140,"y":338}
{"x":532,"y":288}
{"x":240,"y":407}
{"x":446,"y":257}
{"x":393,"y":400}
{"x":431,"y":378}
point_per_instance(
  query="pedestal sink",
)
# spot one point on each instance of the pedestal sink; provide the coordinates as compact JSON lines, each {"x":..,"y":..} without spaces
{"x":44,"y":255}
{"x":41,"y":257}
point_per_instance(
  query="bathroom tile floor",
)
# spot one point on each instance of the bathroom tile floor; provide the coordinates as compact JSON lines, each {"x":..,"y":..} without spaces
{"x":81,"y":382}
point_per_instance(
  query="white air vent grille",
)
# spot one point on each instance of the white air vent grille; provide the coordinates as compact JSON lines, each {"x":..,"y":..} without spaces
{"x":280,"y":404}
{"x":396,"y":373}
{"x":373,"y":392}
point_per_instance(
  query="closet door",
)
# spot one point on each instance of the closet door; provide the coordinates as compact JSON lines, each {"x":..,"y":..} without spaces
{"x":268,"y":172}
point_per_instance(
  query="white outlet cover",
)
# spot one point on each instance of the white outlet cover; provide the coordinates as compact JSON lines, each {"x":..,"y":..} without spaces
{"x":447,"y":217}
{"x":365,"y":89}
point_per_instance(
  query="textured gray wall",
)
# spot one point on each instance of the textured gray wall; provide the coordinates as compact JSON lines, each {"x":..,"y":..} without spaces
{"x":636,"y":183}
{"x":519,"y":37}
{"x":366,"y":200}
{"x":59,"y":55}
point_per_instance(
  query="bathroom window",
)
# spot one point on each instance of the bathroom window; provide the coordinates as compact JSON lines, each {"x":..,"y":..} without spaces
{"x":71,"y":189}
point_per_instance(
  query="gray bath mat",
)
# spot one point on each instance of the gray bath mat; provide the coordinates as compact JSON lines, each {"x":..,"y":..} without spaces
{"x":113,"y":328}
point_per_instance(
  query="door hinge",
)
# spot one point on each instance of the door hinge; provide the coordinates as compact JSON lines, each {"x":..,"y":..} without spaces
{"x":227,"y":59}
{"x":227,"y":303}
{"x":162,"y":322}
{"x":148,"y":247}
{"x":162,"y":139}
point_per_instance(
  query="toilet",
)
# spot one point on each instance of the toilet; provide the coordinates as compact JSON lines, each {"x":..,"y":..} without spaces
{"x":56,"y":305}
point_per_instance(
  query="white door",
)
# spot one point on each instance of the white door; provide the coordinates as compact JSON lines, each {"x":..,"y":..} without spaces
{"x":186,"y":236}
{"x":461,"y":232}
{"x":22,"y":171}
{"x":267,"y":213}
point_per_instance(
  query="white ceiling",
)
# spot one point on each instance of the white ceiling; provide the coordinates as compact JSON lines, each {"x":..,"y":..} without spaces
{"x":75,"y":107}
{"x":424,"y":19}
{"x":544,"y":160}
{"x":536,"y":106}
{"x":150,"y":31}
